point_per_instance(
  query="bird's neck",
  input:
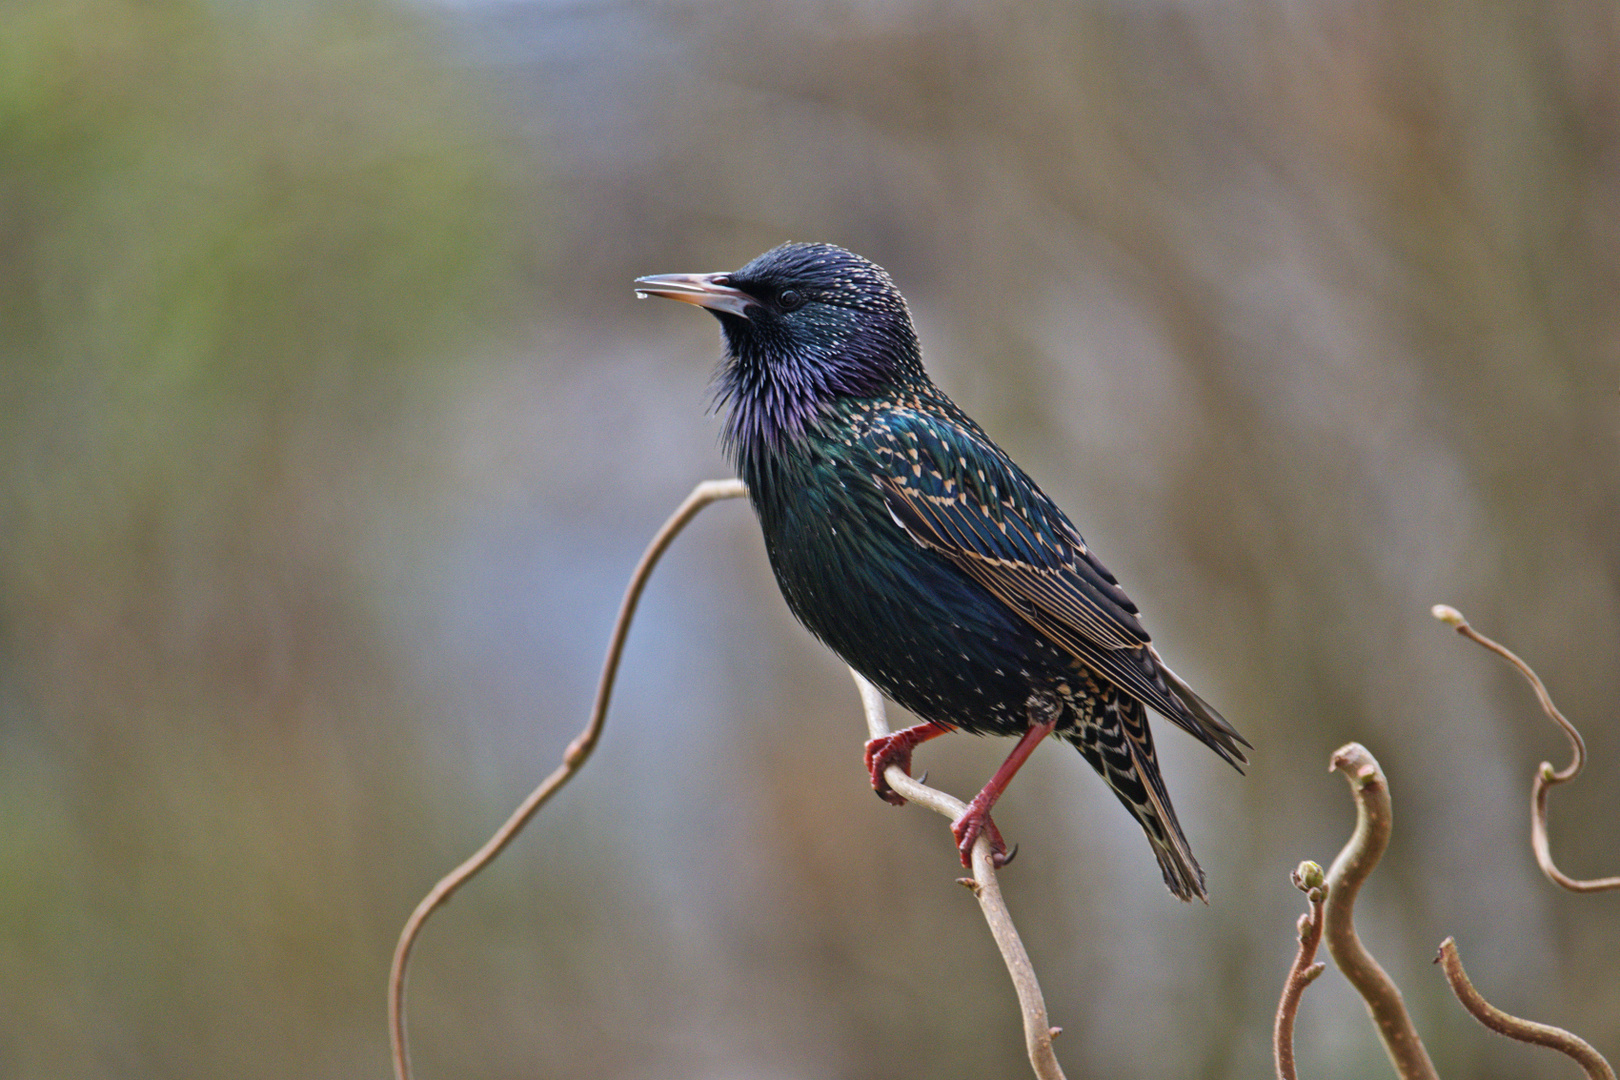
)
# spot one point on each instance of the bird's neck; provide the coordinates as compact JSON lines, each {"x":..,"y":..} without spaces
{"x":766,"y":440}
{"x":765,"y":414}
{"x":774,"y":404}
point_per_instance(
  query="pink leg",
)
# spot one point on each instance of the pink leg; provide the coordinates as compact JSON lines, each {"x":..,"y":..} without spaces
{"x":976,"y":818}
{"x":896,"y":749}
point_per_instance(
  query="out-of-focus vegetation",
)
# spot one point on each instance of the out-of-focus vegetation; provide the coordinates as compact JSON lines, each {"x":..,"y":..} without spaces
{"x":329,"y":432}
{"x":239,"y":246}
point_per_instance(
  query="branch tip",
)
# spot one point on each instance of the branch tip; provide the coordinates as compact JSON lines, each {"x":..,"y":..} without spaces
{"x":1358,"y":765}
{"x":1449,"y":615}
{"x":1308,"y":879}
{"x":1526,"y":1031}
{"x":1546,"y":776}
{"x":1308,"y":876}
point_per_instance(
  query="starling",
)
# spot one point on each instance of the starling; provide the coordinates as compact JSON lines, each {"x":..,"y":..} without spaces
{"x":921,"y":554}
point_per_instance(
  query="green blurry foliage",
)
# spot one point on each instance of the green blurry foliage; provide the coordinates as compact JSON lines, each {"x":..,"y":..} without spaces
{"x":229,"y":235}
{"x":207,"y":201}
{"x":240,"y":245}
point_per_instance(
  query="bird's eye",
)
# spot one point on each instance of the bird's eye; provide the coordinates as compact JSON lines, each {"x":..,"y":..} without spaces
{"x":790,"y":300}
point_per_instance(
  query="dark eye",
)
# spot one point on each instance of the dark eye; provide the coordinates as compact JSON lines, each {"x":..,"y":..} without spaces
{"x":790,"y":300}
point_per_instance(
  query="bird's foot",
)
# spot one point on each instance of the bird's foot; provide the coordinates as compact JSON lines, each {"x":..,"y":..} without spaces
{"x":895,"y":749}
{"x":882,"y":752}
{"x":975,"y":820}
{"x":1044,"y":712}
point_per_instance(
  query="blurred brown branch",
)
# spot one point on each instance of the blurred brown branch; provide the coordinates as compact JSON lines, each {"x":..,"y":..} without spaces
{"x":1332,"y":916}
{"x":1546,"y":775}
{"x":1354,"y":865}
{"x":1512,"y":1026}
{"x":573,"y":758}
{"x":1308,"y":879}
{"x":1038,"y":1031}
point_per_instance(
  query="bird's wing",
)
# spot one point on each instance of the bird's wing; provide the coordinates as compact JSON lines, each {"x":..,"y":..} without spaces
{"x":956,"y":493}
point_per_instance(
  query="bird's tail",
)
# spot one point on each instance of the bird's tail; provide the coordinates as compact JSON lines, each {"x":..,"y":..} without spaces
{"x":1200,"y":718}
{"x":1114,"y":738}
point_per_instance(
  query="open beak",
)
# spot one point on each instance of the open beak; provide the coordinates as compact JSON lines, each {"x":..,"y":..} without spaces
{"x":705,"y":290}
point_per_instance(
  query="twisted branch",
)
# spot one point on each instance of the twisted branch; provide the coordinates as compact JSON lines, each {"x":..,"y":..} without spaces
{"x":1546,"y":776}
{"x":1309,"y":880}
{"x":1038,"y":1031}
{"x":705,"y":493}
{"x":1374,"y":821}
{"x":1513,"y":1027}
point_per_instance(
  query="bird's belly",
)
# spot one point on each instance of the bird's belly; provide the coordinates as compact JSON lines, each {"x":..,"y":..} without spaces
{"x":917,"y":627}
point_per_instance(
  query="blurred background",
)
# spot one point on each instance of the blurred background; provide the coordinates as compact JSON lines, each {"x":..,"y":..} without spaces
{"x":330,"y":431}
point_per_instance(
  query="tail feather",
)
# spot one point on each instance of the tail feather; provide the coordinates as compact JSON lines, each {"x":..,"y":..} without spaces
{"x":1113,"y":736}
{"x":1200,"y":718}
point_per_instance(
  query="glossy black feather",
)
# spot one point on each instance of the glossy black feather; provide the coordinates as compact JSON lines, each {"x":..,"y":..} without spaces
{"x":911,"y":544}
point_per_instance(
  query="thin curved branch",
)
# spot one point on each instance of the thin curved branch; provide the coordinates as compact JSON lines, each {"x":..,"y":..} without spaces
{"x":1374,"y":821}
{"x":573,"y":757}
{"x":1038,"y":1031}
{"x":1513,"y":1027}
{"x":1309,"y":880}
{"x":1546,"y":776}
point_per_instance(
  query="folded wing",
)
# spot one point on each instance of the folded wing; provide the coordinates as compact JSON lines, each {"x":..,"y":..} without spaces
{"x":956,"y":494}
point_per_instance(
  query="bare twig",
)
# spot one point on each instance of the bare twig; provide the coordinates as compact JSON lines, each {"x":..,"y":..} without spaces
{"x":1038,"y":1031}
{"x":573,"y":757}
{"x":1309,"y":880}
{"x":1546,"y":775}
{"x":1514,"y":1028}
{"x":1353,"y":866}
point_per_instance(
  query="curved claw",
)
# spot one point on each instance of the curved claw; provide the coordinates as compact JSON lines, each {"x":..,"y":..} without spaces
{"x":895,"y":749}
{"x":967,"y":828}
{"x":882,"y":752}
{"x":889,"y":795}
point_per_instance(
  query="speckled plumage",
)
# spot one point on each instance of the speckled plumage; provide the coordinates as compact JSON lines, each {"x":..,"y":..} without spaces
{"x":916,"y":549}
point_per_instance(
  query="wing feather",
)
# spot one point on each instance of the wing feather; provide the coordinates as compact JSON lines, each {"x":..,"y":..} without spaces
{"x":956,"y":493}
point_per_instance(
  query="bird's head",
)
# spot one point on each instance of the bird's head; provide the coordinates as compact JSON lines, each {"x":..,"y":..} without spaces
{"x":805,"y":326}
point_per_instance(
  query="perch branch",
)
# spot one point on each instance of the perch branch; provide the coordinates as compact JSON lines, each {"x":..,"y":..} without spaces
{"x":1353,"y":866}
{"x":1038,"y":1031}
{"x":573,"y":757}
{"x":1309,"y":880}
{"x":1514,"y":1028}
{"x":1546,"y":776}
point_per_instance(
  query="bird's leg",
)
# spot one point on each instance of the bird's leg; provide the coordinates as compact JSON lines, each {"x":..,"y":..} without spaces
{"x":895,"y":749}
{"x":1044,"y":712}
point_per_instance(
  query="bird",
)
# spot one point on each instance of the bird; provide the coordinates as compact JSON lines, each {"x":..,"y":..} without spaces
{"x":916,"y":549}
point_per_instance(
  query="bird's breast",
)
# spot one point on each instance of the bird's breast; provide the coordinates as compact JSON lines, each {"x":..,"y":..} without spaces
{"x":915,"y":625}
